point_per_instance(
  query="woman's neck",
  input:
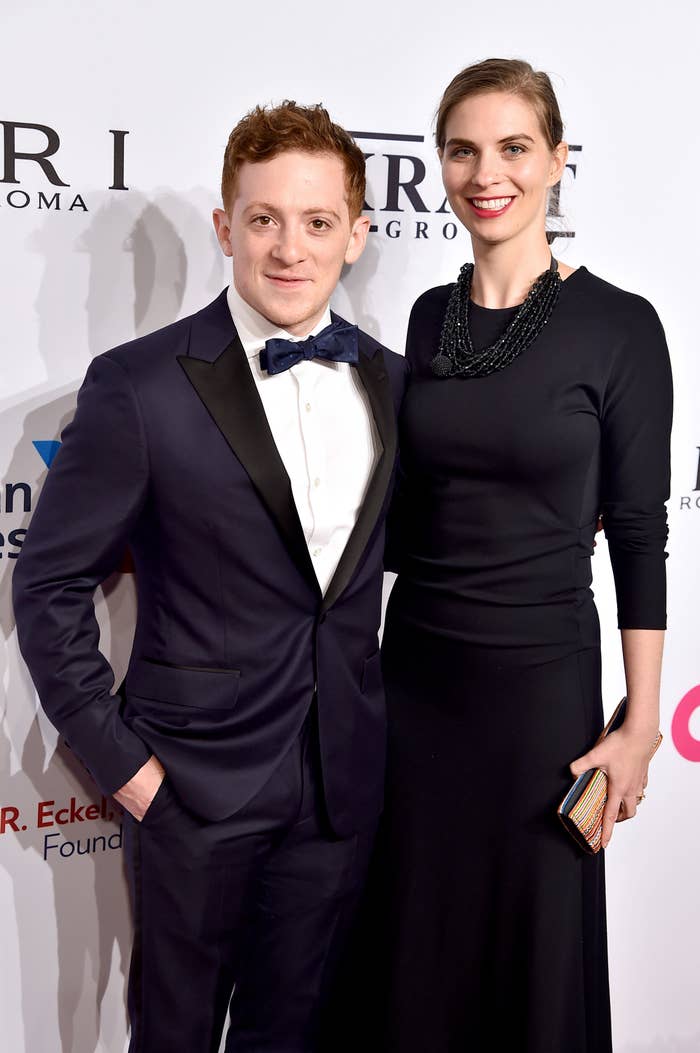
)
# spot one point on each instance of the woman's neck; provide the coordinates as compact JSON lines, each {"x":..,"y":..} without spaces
{"x":504,"y":273}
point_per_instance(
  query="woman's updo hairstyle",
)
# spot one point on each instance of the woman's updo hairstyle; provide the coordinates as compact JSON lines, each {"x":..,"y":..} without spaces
{"x":508,"y":75}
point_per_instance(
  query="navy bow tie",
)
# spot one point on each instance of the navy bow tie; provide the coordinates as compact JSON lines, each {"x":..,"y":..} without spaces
{"x":336,"y":343}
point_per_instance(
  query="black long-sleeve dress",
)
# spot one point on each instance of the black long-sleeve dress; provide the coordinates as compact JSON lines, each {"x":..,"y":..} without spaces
{"x":497,"y":936}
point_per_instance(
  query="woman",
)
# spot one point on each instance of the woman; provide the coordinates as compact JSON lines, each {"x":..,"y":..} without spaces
{"x":540,"y":398}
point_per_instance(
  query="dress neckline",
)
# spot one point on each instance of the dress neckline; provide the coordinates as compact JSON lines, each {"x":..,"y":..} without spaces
{"x":496,"y":311}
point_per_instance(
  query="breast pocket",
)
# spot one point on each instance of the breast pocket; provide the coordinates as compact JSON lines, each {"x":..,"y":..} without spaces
{"x":183,"y":685}
{"x":371,"y":674}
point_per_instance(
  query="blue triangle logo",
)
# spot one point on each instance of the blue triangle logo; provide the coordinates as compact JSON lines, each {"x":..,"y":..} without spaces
{"x":47,"y":450}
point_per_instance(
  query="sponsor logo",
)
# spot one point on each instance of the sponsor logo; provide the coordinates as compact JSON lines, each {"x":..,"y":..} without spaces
{"x":401,"y":206}
{"x":47,"y":449}
{"x":30,"y":149}
{"x":683,"y":738}
{"x":692,"y":500}
{"x":71,"y":813}
{"x":16,"y":499}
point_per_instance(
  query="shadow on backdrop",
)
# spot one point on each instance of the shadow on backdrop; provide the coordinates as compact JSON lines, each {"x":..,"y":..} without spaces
{"x":138,"y":271}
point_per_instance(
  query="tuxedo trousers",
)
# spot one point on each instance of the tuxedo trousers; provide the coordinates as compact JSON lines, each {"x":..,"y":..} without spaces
{"x":246,"y":915}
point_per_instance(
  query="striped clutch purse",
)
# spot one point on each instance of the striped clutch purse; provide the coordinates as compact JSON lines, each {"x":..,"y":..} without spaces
{"x":582,"y":809}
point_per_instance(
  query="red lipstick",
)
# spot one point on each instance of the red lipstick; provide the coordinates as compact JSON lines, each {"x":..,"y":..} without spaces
{"x":490,"y":213}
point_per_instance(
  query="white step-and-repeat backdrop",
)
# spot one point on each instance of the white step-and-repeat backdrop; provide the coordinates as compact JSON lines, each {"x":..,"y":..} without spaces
{"x":114,"y":119}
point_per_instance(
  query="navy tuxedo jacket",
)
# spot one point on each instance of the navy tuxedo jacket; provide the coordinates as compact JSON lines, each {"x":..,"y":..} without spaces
{"x":171,"y":454}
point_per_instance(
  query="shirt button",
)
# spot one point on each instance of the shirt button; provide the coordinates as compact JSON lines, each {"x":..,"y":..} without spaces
{"x":307,"y":407}
{"x":317,"y":482}
{"x":316,"y":553}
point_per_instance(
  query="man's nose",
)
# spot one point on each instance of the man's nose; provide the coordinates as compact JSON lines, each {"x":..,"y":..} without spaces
{"x":289,"y":247}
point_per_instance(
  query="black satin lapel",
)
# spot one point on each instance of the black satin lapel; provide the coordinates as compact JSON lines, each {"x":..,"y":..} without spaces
{"x":227,"y":389}
{"x":376,"y":381}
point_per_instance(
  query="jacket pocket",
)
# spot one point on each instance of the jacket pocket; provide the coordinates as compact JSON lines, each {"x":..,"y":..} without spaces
{"x":371,"y":674}
{"x":183,"y":685}
{"x":159,"y":802}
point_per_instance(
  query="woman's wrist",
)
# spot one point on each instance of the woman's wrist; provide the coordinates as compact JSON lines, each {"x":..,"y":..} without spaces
{"x":641,"y":727}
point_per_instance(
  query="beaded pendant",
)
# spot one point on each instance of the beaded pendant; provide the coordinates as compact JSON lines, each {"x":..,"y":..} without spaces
{"x":457,"y":356}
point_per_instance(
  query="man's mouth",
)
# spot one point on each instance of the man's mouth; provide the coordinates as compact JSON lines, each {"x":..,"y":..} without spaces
{"x":286,"y":281}
{"x":490,"y":206}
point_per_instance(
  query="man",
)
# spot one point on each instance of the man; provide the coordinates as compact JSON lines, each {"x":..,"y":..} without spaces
{"x":250,"y":479}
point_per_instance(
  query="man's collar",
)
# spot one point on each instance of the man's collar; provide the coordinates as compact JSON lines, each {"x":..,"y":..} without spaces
{"x":254,"y":329}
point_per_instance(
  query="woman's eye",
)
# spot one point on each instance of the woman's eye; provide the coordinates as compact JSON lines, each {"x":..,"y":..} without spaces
{"x":514,"y":150}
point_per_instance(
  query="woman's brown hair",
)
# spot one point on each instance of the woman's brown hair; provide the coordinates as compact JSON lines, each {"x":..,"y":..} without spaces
{"x":508,"y":75}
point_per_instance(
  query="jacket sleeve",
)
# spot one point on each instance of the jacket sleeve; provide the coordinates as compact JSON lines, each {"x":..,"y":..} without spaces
{"x":394,"y":531}
{"x":419,"y":343}
{"x":90,"y":502}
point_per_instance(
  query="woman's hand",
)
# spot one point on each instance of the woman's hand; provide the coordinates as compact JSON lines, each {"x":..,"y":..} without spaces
{"x":624,"y":756}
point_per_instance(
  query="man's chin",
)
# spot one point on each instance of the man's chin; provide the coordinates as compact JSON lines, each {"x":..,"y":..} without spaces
{"x":291,"y":320}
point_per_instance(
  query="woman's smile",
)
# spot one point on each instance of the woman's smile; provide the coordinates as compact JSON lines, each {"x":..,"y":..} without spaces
{"x":490,"y":207}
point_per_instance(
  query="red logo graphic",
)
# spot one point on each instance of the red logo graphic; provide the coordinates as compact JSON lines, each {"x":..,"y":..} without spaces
{"x":686,"y":744}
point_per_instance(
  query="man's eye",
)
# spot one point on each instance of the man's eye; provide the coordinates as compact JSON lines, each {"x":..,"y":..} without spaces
{"x":263,"y":221}
{"x":462,"y":151}
{"x":320,"y":224}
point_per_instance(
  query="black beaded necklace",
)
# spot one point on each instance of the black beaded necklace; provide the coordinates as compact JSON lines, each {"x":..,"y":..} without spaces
{"x":457,"y":356}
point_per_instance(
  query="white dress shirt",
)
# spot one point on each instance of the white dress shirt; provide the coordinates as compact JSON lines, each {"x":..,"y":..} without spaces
{"x":322,"y":424}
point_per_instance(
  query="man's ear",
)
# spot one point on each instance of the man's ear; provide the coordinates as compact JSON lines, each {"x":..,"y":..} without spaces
{"x":222,"y":226}
{"x":358,"y":239}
